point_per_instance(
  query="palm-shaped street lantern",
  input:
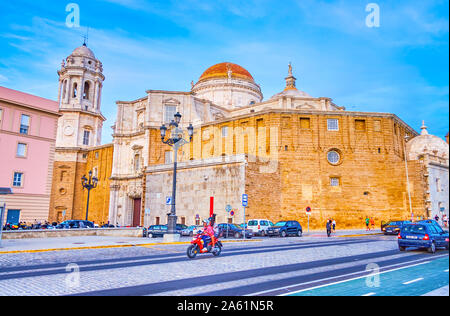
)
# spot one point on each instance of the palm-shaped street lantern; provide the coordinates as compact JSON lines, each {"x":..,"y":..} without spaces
{"x":89,"y":184}
{"x":175,"y":140}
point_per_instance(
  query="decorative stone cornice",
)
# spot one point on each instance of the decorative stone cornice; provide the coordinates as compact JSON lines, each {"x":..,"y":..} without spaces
{"x":68,"y":110}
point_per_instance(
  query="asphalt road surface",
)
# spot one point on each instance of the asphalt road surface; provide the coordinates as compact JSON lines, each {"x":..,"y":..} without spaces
{"x":272,"y":266}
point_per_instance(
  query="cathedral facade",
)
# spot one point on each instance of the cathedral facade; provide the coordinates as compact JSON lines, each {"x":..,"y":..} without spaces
{"x":288,"y":152}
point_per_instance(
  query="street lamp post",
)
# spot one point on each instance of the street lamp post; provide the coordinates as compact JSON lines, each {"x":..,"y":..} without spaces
{"x":175,"y":140}
{"x":407,"y":179}
{"x":89,"y":184}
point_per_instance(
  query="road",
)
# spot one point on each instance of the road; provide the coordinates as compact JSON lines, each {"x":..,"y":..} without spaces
{"x":272,"y":266}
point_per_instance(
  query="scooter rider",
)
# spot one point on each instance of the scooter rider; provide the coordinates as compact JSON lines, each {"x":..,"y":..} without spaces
{"x":208,"y":235}
{"x":215,"y":228}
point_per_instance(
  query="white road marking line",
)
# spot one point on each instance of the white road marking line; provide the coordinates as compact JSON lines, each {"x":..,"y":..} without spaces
{"x":446,"y":270}
{"x":286,"y":288}
{"x":369,"y":294}
{"x":413,"y":281}
{"x":360,"y":277}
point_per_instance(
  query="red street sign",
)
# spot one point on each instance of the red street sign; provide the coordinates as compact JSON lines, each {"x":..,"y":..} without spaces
{"x":308,"y":210}
{"x":232,"y":213}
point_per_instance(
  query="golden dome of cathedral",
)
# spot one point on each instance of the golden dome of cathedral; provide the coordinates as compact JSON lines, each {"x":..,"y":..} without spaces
{"x":224,"y":70}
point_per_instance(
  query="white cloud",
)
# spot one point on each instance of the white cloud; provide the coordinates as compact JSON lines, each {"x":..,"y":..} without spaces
{"x":3,"y":79}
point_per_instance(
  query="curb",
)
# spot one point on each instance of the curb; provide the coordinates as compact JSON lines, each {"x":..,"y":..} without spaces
{"x":361,"y":235}
{"x":115,"y":246}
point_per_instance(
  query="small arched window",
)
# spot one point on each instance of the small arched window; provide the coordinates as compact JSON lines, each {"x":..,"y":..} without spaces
{"x":86,"y":90}
{"x":75,"y":90}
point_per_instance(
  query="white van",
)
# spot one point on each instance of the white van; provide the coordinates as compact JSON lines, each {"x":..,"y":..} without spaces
{"x":259,"y":226}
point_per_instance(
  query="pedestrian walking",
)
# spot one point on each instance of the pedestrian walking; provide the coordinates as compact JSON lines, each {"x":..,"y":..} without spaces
{"x":372,"y":223}
{"x":444,"y":220}
{"x":328,"y":228}
{"x":367,"y":223}
{"x":436,"y":218}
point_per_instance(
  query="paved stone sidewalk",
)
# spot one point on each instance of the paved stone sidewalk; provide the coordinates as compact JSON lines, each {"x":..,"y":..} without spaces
{"x":78,"y":242}
{"x":342,"y":233}
{"x":92,"y":242}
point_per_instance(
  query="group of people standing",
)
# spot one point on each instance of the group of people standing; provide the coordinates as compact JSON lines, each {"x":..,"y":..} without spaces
{"x":444,"y":219}
{"x":370,"y":223}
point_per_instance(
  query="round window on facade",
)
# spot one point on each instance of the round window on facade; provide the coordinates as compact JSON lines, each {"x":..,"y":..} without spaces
{"x":334,"y":157}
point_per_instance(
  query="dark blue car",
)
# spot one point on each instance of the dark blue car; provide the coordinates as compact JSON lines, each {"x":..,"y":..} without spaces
{"x":394,"y":227}
{"x":423,"y":235}
{"x":234,"y":230}
{"x":285,"y":228}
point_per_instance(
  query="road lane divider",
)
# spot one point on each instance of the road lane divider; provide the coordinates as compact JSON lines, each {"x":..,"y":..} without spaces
{"x":412,"y":281}
{"x":351,"y":276}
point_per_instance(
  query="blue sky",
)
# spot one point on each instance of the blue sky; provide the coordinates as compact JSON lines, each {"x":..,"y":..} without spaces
{"x":401,"y":67}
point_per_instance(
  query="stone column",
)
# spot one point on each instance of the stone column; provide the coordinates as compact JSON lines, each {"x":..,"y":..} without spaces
{"x":95,"y":96}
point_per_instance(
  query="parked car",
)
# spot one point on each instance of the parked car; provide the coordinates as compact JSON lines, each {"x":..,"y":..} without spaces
{"x":108,"y":226}
{"x":69,"y":224}
{"x":234,"y":230}
{"x":394,"y":227}
{"x":180,"y":228}
{"x":285,"y":228}
{"x":160,"y":230}
{"x":156,"y":231}
{"x":191,"y":230}
{"x":423,"y":235}
{"x":259,"y":226}
{"x":431,"y":221}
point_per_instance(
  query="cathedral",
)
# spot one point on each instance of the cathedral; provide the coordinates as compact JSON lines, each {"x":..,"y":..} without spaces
{"x":288,"y":152}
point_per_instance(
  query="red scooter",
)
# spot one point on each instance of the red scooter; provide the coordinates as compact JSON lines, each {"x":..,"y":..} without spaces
{"x":197,"y":247}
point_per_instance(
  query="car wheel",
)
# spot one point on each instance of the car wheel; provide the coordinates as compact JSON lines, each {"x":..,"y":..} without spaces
{"x":402,"y":248}
{"x":432,"y":248}
{"x":150,"y":235}
{"x":263,"y":233}
{"x":283,"y":234}
{"x":299,"y":233}
{"x":191,"y":234}
{"x":237,"y":235}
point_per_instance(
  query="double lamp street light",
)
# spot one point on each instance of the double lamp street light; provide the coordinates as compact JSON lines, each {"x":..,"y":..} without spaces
{"x":89,"y":184}
{"x":175,"y":140}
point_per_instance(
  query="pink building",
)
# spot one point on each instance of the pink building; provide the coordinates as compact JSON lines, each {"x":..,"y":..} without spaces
{"x":27,"y":148}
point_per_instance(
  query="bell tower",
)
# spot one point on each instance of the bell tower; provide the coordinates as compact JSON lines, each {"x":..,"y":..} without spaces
{"x":80,"y":89}
{"x":79,"y":131}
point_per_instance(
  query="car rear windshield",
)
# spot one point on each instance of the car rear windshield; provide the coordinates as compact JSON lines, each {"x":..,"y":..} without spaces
{"x":280,"y":224}
{"x":253,"y":223}
{"x":415,"y":229}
